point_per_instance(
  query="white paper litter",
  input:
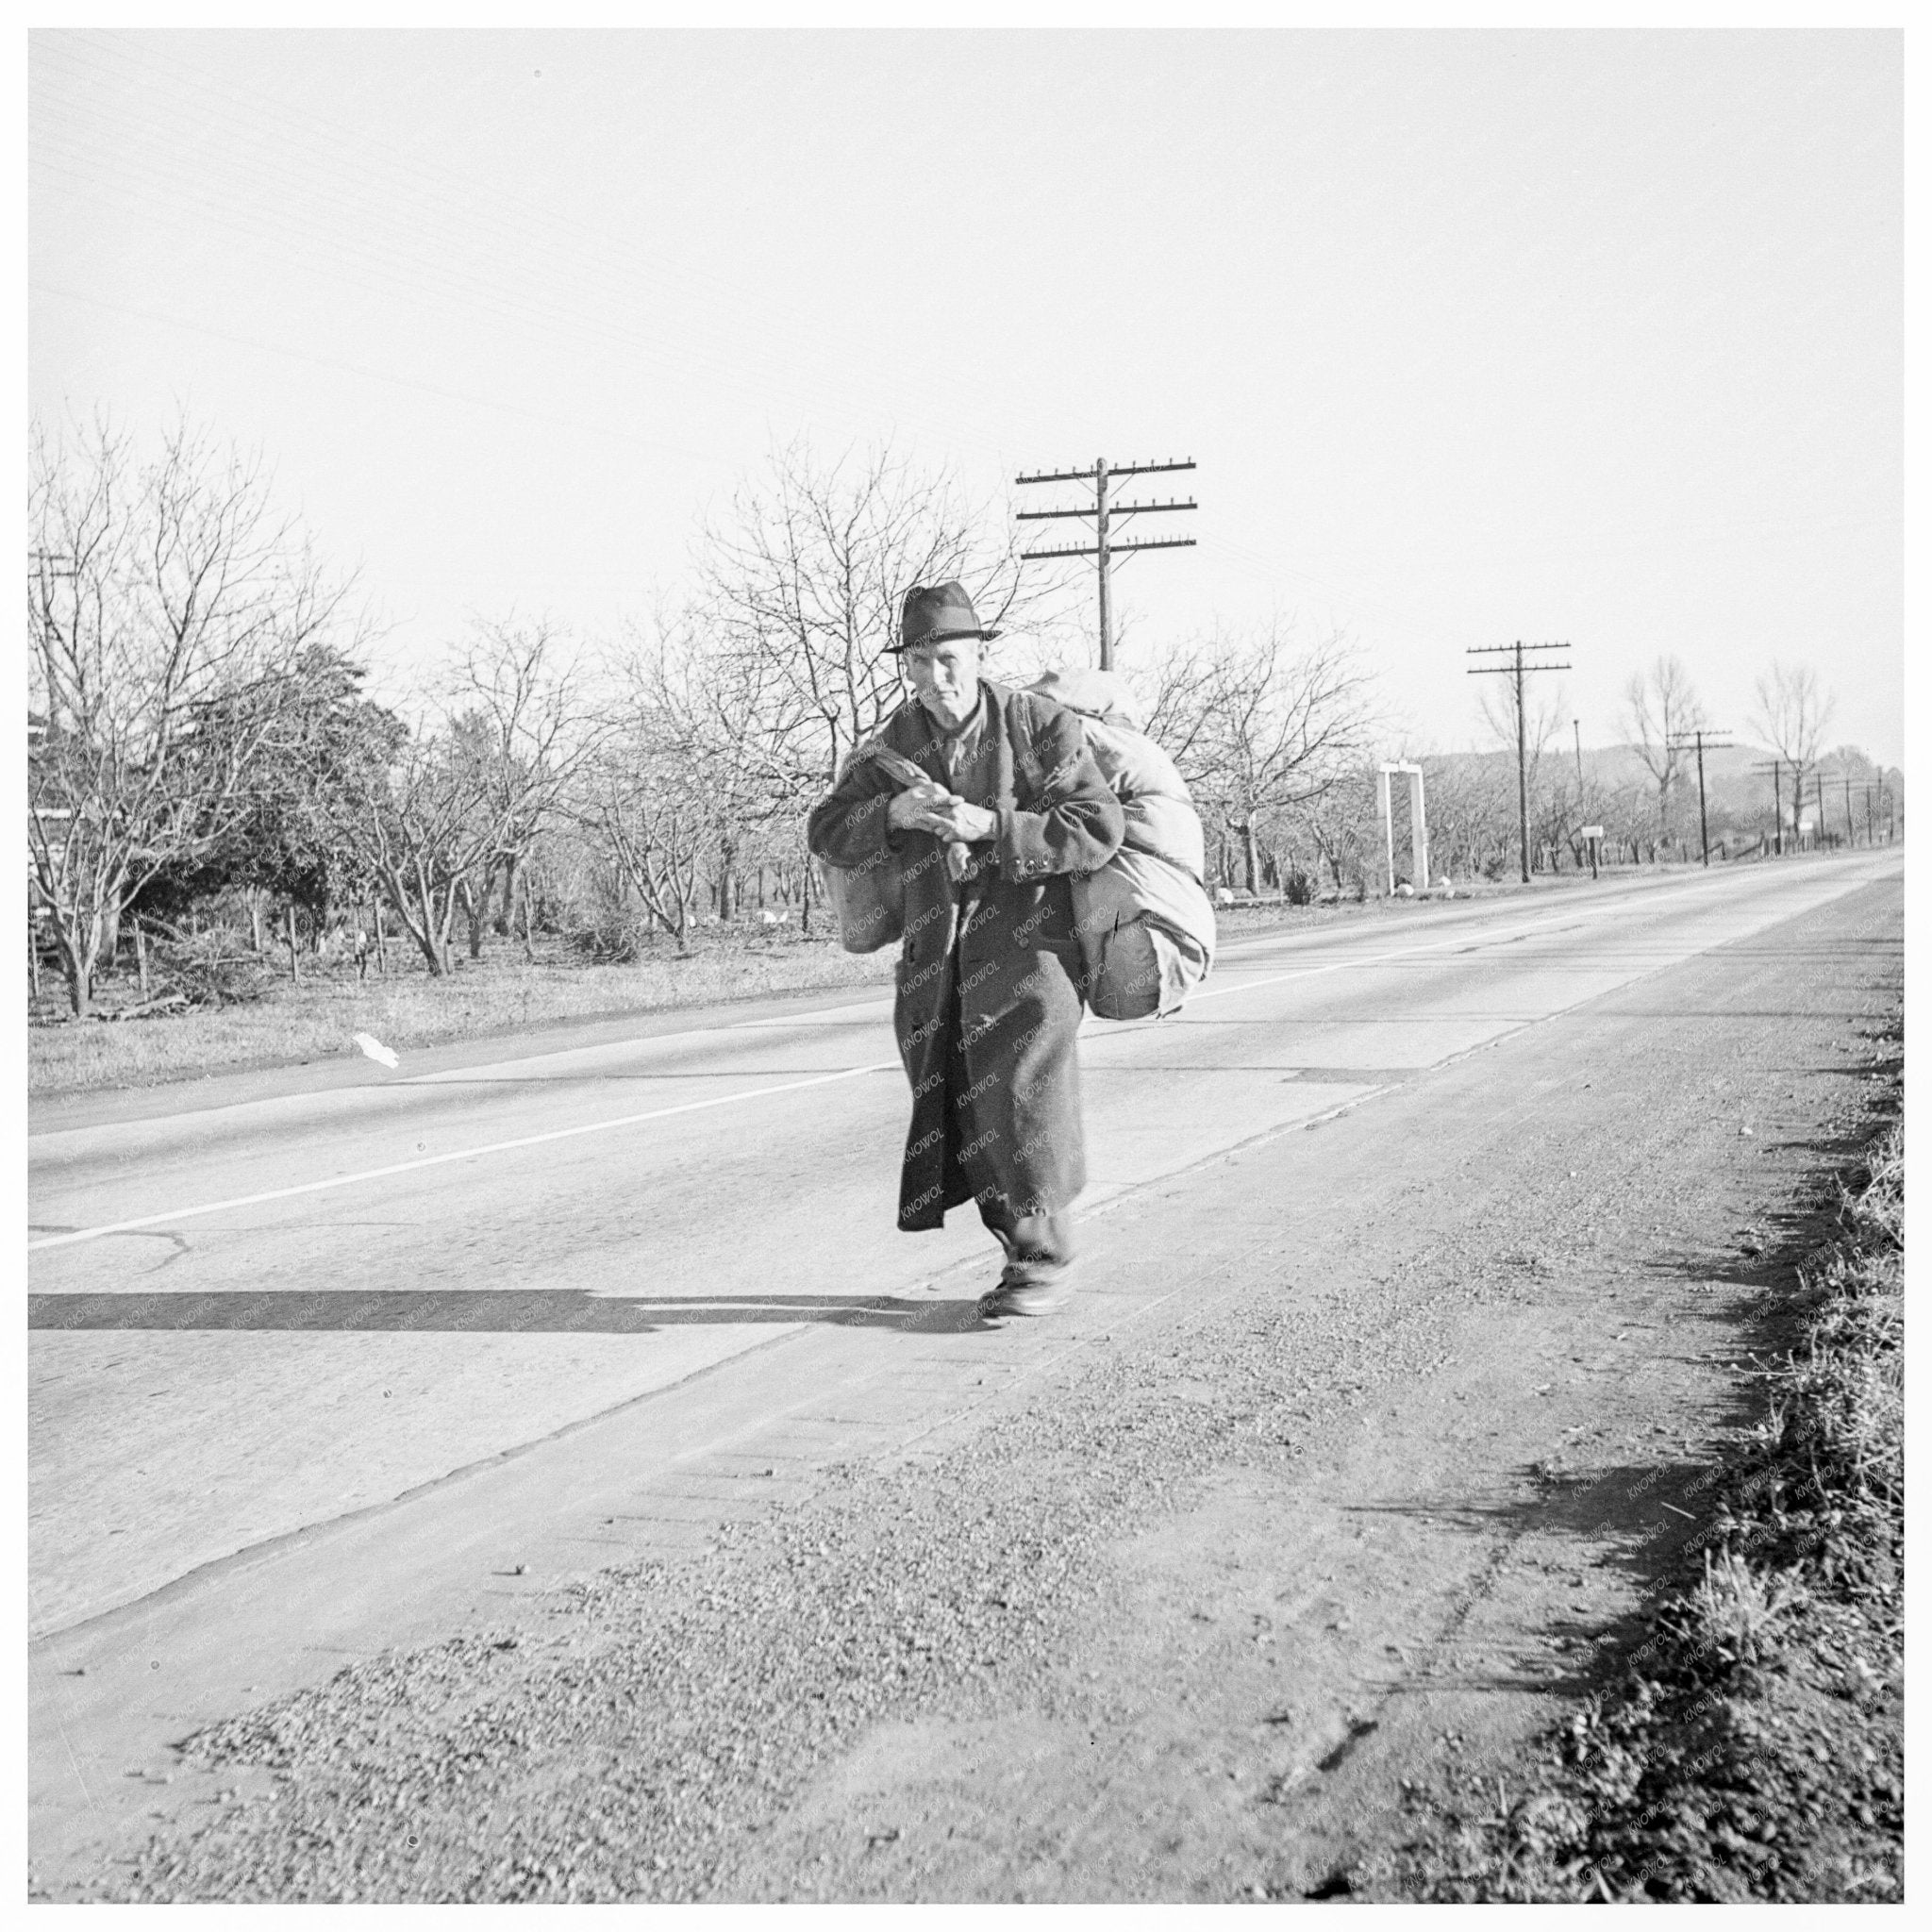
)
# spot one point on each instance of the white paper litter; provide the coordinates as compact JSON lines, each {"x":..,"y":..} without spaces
{"x":375,"y":1050}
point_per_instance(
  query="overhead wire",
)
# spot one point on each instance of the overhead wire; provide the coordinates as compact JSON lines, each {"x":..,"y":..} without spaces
{"x":367,"y":267}
{"x":456,"y":191}
{"x":611,"y":267}
{"x":341,"y":154}
{"x":321,"y":170}
{"x":603,"y":429}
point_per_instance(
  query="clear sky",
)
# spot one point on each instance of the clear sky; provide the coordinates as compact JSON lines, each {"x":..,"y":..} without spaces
{"x":1475,"y":335}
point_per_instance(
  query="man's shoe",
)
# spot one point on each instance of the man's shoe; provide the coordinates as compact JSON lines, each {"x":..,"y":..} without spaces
{"x":1022,"y":1298}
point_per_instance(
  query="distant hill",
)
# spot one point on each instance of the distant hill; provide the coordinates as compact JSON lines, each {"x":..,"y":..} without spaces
{"x":1739,"y":796}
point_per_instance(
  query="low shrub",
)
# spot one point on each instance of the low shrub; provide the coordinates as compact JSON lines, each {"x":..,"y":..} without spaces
{"x":615,"y":939}
{"x":214,"y":967}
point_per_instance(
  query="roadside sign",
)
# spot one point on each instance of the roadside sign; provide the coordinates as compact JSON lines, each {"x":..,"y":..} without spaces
{"x":1592,"y":832}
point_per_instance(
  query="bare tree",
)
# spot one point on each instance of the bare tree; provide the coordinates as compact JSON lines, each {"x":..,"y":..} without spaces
{"x":646,"y":813}
{"x":519,"y":704}
{"x":166,"y":604}
{"x":1542,"y":722}
{"x":1471,"y":802}
{"x":1564,"y":806}
{"x":802,"y":583}
{"x":1661,"y":706}
{"x":678,"y":776}
{"x":800,"y":587}
{"x":1344,"y":829}
{"x":419,"y":822}
{"x":1174,"y":685}
{"x":726,"y":721}
{"x":470,"y":790}
{"x":1791,"y":714}
{"x":1261,"y":725}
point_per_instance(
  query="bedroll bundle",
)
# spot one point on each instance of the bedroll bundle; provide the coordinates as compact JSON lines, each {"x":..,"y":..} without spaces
{"x":1145,"y":922}
{"x":870,"y":900}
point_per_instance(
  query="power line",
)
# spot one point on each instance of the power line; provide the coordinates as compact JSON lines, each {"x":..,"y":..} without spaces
{"x":387,"y":274}
{"x":184,"y":136}
{"x":387,"y":268}
{"x":1717,"y":740}
{"x":1104,"y":549}
{"x":1518,"y":668}
{"x":431,"y":389}
{"x":335,"y":169}
{"x":345,"y":153}
{"x":321,"y":169}
{"x":1776,"y":767}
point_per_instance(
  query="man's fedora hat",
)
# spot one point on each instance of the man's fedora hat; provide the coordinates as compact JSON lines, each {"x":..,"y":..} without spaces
{"x":933,"y":614}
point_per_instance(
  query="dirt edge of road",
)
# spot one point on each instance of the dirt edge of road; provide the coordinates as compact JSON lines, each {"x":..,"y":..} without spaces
{"x":1176,"y":1602}
{"x":1749,"y":1741}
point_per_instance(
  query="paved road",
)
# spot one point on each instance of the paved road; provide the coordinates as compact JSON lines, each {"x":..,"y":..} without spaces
{"x":407,"y":1277}
{"x":253,"y":1320}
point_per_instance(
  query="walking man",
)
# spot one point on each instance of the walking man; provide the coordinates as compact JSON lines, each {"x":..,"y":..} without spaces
{"x":989,"y":983}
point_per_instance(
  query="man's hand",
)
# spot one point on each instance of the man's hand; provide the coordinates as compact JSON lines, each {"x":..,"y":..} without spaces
{"x":956,"y":819}
{"x":911,"y":808}
{"x":933,"y":808}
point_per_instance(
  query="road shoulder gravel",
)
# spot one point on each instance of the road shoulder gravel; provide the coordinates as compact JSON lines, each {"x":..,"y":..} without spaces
{"x":1357,"y":1443}
{"x":1748,"y":1740}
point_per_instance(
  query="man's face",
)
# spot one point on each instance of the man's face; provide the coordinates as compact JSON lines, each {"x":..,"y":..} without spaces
{"x":946,"y":677}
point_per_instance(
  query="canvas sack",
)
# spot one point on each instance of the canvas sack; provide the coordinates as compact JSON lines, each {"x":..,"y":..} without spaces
{"x":869,"y":901}
{"x":1146,"y":936}
{"x":1145,"y":922}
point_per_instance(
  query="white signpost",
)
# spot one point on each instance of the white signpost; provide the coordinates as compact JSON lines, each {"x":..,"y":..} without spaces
{"x":1594,"y":834}
{"x":1418,"y":828}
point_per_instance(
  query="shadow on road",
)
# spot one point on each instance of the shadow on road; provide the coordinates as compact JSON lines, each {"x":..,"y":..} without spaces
{"x":1634,"y":1518}
{"x":488,"y":1311}
{"x":1649,"y":1519}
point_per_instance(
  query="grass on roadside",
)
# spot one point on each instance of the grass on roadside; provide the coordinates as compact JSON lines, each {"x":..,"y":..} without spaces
{"x":291,"y":1023}
{"x":501,"y":993}
{"x":1752,"y":1746}
{"x":288,"y":1023}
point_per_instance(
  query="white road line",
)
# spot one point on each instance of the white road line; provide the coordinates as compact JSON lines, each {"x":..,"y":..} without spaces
{"x":1253,"y":942}
{"x":458,"y":1073}
{"x":375,"y":1174}
{"x":1467,"y":938}
{"x":1264,"y":941}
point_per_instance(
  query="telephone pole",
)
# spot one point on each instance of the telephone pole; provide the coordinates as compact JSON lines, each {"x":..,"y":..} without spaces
{"x":1104,"y":513}
{"x":1775,"y":768}
{"x":1518,"y":667}
{"x":1718,"y":740}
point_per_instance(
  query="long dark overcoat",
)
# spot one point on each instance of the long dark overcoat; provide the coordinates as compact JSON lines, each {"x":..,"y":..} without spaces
{"x":1014,"y":961}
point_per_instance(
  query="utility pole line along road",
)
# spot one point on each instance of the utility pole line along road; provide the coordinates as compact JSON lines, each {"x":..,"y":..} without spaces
{"x":1776,"y":767}
{"x":1104,"y":548}
{"x":1519,"y":667}
{"x":1717,"y":740}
